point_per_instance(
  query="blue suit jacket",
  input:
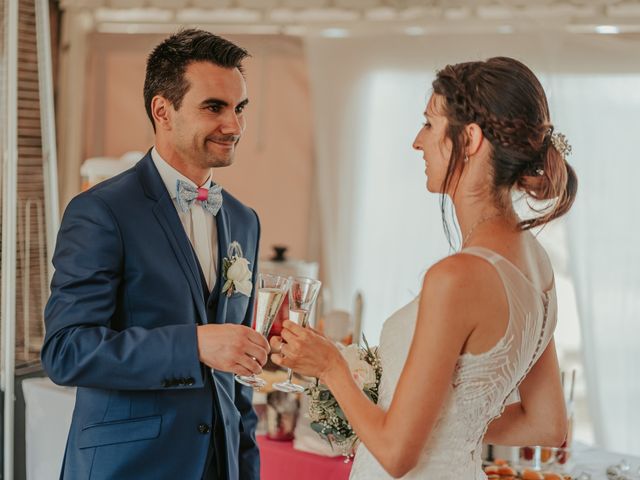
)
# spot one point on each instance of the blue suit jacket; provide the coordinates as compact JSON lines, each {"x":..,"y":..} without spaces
{"x":121,"y":326}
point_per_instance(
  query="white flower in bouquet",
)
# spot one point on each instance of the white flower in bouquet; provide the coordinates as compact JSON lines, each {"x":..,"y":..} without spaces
{"x":327,"y":418}
{"x":364,"y":374}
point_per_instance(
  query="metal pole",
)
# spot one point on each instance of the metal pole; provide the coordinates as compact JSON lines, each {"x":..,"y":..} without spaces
{"x":9,"y":203}
{"x":47,"y":127}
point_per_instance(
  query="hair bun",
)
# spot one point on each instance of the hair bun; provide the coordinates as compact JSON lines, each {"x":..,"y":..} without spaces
{"x":551,"y":179}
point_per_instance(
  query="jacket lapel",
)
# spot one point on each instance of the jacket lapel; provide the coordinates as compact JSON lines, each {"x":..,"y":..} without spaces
{"x":166,"y":214}
{"x":224,"y":238}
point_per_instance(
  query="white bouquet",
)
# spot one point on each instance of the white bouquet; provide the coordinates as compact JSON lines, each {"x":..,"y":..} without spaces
{"x":327,"y":418}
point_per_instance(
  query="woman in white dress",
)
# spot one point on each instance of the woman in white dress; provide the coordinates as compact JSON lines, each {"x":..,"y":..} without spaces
{"x":483,"y":323}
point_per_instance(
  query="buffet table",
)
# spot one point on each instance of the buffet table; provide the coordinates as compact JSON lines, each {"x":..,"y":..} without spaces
{"x":595,"y":461}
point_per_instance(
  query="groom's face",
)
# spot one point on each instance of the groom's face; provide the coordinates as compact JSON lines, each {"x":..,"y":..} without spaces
{"x":210,"y":121}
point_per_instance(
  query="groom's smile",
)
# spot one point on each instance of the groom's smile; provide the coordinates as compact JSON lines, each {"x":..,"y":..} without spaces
{"x":225,"y":143}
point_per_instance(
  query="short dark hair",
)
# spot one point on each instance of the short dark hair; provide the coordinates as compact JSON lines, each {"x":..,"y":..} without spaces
{"x":168,"y":61}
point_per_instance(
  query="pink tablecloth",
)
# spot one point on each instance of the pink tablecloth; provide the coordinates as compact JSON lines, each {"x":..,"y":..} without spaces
{"x":279,"y":461}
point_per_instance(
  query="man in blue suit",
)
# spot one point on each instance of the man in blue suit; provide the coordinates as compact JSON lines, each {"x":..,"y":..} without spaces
{"x":146,"y":317}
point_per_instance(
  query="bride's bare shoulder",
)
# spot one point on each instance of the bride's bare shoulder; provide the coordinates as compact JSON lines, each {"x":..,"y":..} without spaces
{"x":464,"y":287}
{"x":461,"y":270}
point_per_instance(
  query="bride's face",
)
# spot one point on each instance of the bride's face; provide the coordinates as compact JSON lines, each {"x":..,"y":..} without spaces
{"x":434,"y":144}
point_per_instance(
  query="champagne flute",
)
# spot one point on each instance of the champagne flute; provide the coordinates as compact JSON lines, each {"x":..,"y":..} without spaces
{"x":271,"y":292}
{"x":302,"y":294}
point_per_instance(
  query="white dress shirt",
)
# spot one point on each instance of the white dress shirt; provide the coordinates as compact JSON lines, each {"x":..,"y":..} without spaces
{"x":199,"y":225}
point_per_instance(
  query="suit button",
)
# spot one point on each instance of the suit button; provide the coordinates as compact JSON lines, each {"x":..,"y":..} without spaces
{"x":203,"y":428}
{"x":190,"y":381}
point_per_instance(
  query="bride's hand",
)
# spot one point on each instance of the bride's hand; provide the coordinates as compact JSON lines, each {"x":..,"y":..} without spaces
{"x":305,"y":351}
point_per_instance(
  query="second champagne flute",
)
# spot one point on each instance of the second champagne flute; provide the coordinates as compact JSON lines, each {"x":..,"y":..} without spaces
{"x":271,"y":292}
{"x":302,"y":295}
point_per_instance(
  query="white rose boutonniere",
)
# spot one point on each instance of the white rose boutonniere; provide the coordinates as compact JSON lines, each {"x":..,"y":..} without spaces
{"x":235,"y":272}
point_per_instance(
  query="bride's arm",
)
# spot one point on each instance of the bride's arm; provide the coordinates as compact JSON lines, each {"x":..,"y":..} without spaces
{"x":396,"y":437}
{"x":539,"y":418}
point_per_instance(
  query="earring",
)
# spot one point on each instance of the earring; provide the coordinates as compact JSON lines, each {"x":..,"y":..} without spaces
{"x":466,"y":158}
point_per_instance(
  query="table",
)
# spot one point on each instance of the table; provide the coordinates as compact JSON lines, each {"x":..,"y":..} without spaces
{"x":594,"y":461}
{"x":279,"y":461}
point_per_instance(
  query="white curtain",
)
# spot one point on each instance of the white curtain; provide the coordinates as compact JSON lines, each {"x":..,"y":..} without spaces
{"x":601,"y":115}
{"x":381,"y":230}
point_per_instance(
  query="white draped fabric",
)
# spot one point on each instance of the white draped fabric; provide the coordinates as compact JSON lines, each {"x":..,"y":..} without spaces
{"x":601,"y":113}
{"x":381,"y":230}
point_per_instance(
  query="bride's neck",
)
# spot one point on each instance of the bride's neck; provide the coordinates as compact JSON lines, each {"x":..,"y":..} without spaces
{"x":471,"y":211}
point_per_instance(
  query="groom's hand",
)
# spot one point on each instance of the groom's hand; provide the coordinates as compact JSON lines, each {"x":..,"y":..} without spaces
{"x":232,"y":348}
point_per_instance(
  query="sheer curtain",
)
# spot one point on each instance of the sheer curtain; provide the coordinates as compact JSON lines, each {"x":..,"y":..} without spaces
{"x":398,"y":234}
{"x":601,"y":116}
{"x":381,"y":230}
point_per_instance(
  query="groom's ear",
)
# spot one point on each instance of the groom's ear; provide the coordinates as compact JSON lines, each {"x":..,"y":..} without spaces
{"x":161,"y":111}
{"x":475,"y":138}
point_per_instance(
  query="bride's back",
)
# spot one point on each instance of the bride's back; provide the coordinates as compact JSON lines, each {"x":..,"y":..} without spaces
{"x":527,"y":257}
{"x":482,"y":381}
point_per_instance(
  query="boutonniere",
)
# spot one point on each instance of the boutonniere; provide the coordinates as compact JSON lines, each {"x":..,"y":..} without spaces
{"x":235,"y":272}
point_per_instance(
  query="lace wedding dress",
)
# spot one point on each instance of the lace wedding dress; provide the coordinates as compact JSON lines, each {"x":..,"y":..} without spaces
{"x":480,"y":385}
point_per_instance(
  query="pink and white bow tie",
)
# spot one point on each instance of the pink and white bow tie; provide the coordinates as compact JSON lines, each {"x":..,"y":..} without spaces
{"x":209,"y":198}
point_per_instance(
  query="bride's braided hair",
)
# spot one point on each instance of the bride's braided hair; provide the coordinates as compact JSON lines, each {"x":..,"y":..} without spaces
{"x":505,"y":99}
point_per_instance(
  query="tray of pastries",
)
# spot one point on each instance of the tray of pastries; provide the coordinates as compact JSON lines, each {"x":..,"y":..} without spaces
{"x":501,"y":470}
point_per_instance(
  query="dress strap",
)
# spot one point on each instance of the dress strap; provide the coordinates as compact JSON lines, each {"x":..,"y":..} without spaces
{"x":485,"y":253}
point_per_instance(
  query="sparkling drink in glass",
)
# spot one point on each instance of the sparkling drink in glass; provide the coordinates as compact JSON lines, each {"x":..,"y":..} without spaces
{"x":271,"y":291}
{"x":302,"y":295}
